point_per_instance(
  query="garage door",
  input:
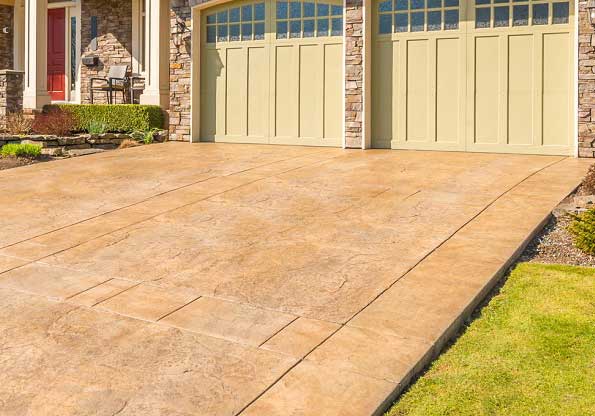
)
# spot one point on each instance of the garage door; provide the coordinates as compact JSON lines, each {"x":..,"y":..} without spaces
{"x":475,"y":75}
{"x":271,"y":72}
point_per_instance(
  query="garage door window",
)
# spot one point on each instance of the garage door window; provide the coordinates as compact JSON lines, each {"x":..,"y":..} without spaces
{"x":417,"y":15}
{"x":307,"y":19}
{"x":504,"y":13}
{"x":236,"y":24}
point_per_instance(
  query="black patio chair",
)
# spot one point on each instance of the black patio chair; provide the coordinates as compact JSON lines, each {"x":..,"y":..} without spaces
{"x":116,"y":81}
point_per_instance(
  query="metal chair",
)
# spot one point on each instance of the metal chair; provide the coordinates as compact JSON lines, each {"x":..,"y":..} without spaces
{"x":137,"y":85}
{"x":116,"y":81}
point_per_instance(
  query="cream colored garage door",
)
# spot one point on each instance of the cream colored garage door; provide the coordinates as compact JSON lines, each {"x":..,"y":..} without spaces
{"x":271,"y":72}
{"x":475,"y":75}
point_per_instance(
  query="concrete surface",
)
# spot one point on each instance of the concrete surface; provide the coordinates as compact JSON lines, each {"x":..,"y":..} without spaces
{"x":210,"y":279}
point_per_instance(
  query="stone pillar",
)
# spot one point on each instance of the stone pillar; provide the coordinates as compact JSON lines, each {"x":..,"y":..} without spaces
{"x":157,"y":38}
{"x":357,"y":71}
{"x":586,"y":83}
{"x":36,"y":94}
{"x":180,"y":74}
{"x":11,"y":93}
{"x":6,"y":36}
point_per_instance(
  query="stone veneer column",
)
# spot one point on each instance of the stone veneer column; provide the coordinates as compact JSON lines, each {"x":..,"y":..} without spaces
{"x":180,"y":64}
{"x":586,"y":83}
{"x":357,"y":70}
{"x":11,"y":93}
{"x":157,"y":39}
{"x":36,"y":94}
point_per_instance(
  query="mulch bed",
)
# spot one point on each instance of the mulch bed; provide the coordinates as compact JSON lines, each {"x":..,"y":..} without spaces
{"x":16,"y":162}
{"x":554,"y":245}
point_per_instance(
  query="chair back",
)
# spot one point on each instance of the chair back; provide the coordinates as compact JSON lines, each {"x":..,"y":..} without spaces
{"x":118,"y":71}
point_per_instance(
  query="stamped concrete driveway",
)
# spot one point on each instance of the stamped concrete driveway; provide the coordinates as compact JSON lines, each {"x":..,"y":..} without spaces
{"x":181,"y":279}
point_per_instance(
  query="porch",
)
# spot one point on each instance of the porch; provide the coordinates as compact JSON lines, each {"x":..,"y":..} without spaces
{"x":71,"y":42}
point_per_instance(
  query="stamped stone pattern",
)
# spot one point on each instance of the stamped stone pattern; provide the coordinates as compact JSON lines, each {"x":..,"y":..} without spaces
{"x":180,"y":74}
{"x":6,"y":56}
{"x":586,"y":83}
{"x":251,"y":280}
{"x":354,"y":73}
{"x":114,"y":40}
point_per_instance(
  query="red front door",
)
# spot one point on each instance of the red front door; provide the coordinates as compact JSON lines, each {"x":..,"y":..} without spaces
{"x":57,"y":54}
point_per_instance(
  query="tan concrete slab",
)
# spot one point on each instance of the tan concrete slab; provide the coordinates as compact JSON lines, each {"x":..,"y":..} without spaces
{"x":314,"y":390}
{"x":300,"y":337}
{"x":228,"y":320}
{"x":102,"y":292}
{"x":282,"y":243}
{"x":53,"y":282}
{"x":148,"y":302}
{"x":69,"y":191}
{"x":9,"y":263}
{"x":59,"y":359}
{"x":373,"y":354}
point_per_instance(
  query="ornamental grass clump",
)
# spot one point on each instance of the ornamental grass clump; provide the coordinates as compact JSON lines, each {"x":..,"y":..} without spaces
{"x":583,"y":231}
{"x":28,"y":151}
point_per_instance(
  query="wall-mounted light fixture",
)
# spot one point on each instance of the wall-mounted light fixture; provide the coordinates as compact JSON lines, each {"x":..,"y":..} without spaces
{"x":591,"y":11}
{"x":182,"y":30}
{"x":6,"y":30}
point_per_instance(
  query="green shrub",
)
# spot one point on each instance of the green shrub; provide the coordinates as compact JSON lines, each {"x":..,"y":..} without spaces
{"x":120,"y":118}
{"x":583,"y":230}
{"x":97,"y":127}
{"x":21,"y":150}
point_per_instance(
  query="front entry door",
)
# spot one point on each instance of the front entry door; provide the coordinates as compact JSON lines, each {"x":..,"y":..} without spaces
{"x":57,"y":54}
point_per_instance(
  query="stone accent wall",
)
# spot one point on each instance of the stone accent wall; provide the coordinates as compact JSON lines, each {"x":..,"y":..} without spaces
{"x":12,"y":84}
{"x":586,"y":84}
{"x":180,"y":74}
{"x":6,"y":39}
{"x":354,"y":73}
{"x":114,"y":40}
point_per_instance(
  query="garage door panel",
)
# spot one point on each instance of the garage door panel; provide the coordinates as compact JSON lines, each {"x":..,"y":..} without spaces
{"x":236,"y":93}
{"x":212,"y":100}
{"x":311,"y":91}
{"x":333,"y":92}
{"x":418,"y":90}
{"x":521,"y":89}
{"x":286,"y":92}
{"x":556,"y":89}
{"x":382,"y":93}
{"x":258,"y":91}
{"x":486,"y":89}
{"x":449,"y":90}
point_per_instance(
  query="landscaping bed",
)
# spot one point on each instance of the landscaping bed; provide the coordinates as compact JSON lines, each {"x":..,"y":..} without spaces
{"x":529,"y":352}
{"x":555,"y":244}
{"x":78,"y":145}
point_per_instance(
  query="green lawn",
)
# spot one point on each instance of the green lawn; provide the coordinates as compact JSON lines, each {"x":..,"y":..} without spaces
{"x":531,"y":352}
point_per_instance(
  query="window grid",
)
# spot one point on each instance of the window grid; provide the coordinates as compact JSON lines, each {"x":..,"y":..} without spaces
{"x":306,"y":19}
{"x":399,"y":16}
{"x":234,"y":24}
{"x":506,"y":13}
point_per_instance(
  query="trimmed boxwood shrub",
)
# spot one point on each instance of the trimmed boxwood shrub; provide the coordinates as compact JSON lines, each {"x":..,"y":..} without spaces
{"x":26,"y":150}
{"x":117,"y":118}
{"x":583,"y":230}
